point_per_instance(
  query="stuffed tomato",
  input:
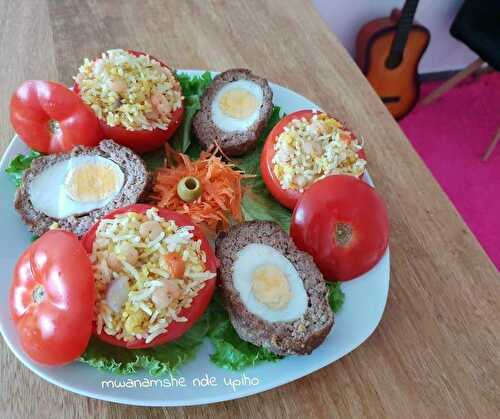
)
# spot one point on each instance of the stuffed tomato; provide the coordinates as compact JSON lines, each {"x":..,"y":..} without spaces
{"x":306,"y":146}
{"x":136,"y":98}
{"x":154,"y":275}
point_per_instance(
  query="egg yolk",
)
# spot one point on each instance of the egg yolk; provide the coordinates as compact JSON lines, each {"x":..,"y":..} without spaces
{"x":270,"y":287}
{"x":238,"y":103}
{"x":91,"y":182}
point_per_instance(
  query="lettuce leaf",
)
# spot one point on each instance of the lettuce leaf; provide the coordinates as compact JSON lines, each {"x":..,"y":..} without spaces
{"x":231,"y":352}
{"x":19,"y":165}
{"x":154,"y":159}
{"x":336,"y":296}
{"x":158,"y":361}
{"x":257,"y":203}
{"x":192,"y":90}
{"x":250,"y":163}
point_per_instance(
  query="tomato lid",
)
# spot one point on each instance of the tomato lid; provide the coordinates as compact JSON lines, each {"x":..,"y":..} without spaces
{"x":51,"y":298}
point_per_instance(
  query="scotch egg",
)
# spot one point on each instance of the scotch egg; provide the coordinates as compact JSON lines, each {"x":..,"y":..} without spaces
{"x":234,"y":111}
{"x":73,"y":190}
{"x":76,"y":186}
{"x":275,"y":295}
{"x":236,"y":105}
{"x":268,"y":284}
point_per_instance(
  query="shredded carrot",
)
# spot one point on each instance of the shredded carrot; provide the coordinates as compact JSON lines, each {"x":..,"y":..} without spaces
{"x":220,"y":201}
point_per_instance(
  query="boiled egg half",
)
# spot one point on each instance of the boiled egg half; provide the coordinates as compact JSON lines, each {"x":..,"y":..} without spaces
{"x":76,"y":186}
{"x":268,"y":284}
{"x":236,"y":105}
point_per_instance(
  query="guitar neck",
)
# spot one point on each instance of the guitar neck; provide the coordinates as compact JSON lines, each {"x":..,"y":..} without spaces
{"x":402,"y":31}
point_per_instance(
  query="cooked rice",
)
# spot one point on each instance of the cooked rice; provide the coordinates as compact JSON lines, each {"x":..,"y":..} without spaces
{"x":134,"y":92}
{"x":309,"y":150}
{"x":137,"y":316}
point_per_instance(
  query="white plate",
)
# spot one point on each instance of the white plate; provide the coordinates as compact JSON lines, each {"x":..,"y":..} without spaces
{"x":365,"y":301}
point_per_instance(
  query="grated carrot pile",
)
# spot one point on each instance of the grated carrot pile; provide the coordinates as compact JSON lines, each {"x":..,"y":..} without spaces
{"x":220,"y":200}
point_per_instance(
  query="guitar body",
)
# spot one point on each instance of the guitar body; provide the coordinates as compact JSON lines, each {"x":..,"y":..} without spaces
{"x":398,"y":87}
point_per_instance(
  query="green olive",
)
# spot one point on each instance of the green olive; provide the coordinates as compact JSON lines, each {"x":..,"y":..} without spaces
{"x":189,"y":188}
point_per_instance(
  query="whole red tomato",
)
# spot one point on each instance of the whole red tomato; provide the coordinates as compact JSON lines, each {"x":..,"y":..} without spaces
{"x":200,"y":302}
{"x":142,"y":141}
{"x":51,"y":298}
{"x":50,"y":118}
{"x":342,"y":222}
{"x":286,"y":197}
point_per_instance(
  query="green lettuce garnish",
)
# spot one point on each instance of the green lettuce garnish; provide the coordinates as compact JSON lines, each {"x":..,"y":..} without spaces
{"x":336,"y":296}
{"x":230,"y":351}
{"x":158,"y":360}
{"x":19,"y":165}
{"x":257,"y":203}
{"x":250,"y":163}
{"x":192,"y":90}
{"x":154,"y":159}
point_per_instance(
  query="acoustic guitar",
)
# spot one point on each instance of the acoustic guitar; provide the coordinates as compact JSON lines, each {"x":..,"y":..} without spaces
{"x":388,"y":51}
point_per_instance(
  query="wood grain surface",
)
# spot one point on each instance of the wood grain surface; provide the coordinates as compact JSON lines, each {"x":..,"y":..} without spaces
{"x":436,"y":352}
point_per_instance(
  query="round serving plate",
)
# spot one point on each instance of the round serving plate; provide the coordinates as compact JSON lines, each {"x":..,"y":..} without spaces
{"x":199,"y":381}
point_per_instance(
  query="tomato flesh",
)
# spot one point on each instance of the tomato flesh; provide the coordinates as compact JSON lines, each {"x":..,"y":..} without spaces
{"x":286,"y":197}
{"x":342,"y":222}
{"x":51,"y":299}
{"x":199,"y":303}
{"x":141,"y":141}
{"x":50,"y":118}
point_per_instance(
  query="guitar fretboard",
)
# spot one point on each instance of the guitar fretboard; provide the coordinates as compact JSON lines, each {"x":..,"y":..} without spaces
{"x":402,"y":31}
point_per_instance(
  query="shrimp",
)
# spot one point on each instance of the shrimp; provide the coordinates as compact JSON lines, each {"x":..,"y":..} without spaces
{"x":152,"y":115}
{"x":129,"y":252}
{"x":113,"y":262}
{"x":119,"y":86}
{"x":307,"y":147}
{"x":161,"y":104}
{"x":172,"y":289}
{"x":150,"y":229}
{"x":162,"y":296}
{"x":117,"y":293}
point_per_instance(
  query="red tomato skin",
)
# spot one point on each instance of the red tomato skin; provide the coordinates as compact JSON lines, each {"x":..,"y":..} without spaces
{"x":286,"y":197}
{"x":141,"y":141}
{"x":347,"y":200}
{"x":200,"y":302}
{"x":35,"y":103}
{"x":56,"y":330}
{"x":144,"y":140}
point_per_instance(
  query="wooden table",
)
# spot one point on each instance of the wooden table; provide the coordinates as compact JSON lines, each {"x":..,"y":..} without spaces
{"x":436,"y":352}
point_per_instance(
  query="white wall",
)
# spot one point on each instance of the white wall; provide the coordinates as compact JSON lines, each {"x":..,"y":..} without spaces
{"x":345,"y":17}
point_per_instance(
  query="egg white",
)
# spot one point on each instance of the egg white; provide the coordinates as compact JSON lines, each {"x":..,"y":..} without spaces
{"x":48,"y":193}
{"x":251,"y":257}
{"x":225,"y":122}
